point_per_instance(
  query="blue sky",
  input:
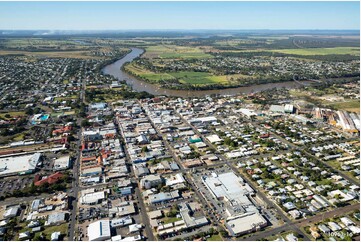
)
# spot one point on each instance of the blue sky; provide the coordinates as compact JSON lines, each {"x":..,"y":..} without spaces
{"x":179,"y":15}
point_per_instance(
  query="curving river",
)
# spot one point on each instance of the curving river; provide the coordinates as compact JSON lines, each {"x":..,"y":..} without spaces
{"x":116,"y":71}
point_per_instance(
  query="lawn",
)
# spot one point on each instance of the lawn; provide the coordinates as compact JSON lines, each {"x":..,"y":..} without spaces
{"x":171,"y":220}
{"x":215,"y":237}
{"x":49,"y":230}
{"x":175,"y":52}
{"x":351,"y":106}
{"x":66,"y":98}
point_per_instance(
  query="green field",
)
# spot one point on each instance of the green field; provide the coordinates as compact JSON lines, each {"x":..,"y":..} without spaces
{"x":186,"y":77}
{"x":311,"y":51}
{"x":146,"y":74}
{"x":171,"y":220}
{"x":321,"y":51}
{"x":351,"y":106}
{"x":12,"y":114}
{"x":175,"y":52}
{"x":215,"y":237}
{"x":199,"y":78}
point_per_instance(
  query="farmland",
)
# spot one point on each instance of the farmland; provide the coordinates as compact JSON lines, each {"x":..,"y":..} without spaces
{"x":50,"y":54}
{"x":321,"y":51}
{"x":174,"y":52}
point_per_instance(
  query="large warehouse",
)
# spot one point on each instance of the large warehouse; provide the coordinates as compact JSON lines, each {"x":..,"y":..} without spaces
{"x":243,"y":216}
{"x":99,"y":230}
{"x":19,"y":165}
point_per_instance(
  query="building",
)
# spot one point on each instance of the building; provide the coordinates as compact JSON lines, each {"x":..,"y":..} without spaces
{"x":56,"y":218}
{"x":98,"y":106}
{"x":210,"y":119}
{"x":62,"y":163}
{"x":93,"y":198}
{"x":214,"y":138}
{"x":245,"y":223}
{"x":174,"y":180}
{"x":277,"y":108}
{"x":163,"y":197}
{"x":92,"y":171}
{"x":121,"y":222}
{"x":21,"y":165}
{"x":243,"y":215}
{"x":11,"y":212}
{"x":289,"y":108}
{"x":151,"y":181}
{"x":99,"y":230}
{"x":50,"y":179}
{"x":55,"y":236}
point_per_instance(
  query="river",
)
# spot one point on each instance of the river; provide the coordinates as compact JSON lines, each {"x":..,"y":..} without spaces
{"x":116,"y":71}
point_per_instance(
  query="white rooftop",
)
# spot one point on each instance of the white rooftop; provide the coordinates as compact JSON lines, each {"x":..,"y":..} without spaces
{"x":18,"y":164}
{"x":99,"y":230}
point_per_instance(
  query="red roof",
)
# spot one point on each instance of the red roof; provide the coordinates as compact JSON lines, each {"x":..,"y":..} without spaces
{"x":50,"y":179}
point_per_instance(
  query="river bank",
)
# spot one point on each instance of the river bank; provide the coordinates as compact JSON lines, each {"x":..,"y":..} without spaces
{"x":115,"y":69}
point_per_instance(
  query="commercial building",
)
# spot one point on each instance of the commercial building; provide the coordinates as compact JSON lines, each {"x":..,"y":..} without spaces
{"x":163,"y":197}
{"x":19,"y":165}
{"x":245,"y":223}
{"x":93,"y":198}
{"x":243,"y":215}
{"x":62,"y":163}
{"x":99,"y":230}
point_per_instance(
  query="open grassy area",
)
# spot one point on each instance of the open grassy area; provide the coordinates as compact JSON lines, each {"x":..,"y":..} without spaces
{"x":146,"y":74}
{"x":171,"y":220}
{"x":351,"y":106}
{"x":12,"y":114}
{"x":66,"y":98}
{"x":49,"y":230}
{"x":189,"y":77}
{"x":175,"y":52}
{"x":310,"y":51}
{"x":199,"y":78}
{"x":51,"y":54}
{"x":215,"y":237}
{"x":321,"y":51}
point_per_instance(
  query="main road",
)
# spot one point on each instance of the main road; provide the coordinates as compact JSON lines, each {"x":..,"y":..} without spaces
{"x":304,"y":222}
{"x":76,"y":166}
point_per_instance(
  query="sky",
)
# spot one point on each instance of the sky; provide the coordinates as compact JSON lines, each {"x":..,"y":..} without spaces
{"x":178,"y":15}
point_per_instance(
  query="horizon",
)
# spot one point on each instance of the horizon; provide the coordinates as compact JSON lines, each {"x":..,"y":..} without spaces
{"x":126,"y":16}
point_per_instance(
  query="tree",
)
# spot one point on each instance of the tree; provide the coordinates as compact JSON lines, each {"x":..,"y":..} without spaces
{"x":223,"y":233}
{"x":85,"y":123}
